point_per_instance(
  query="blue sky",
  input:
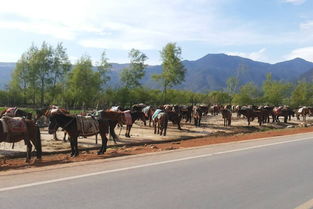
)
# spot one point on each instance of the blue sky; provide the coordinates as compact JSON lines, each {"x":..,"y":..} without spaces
{"x":262,"y":30}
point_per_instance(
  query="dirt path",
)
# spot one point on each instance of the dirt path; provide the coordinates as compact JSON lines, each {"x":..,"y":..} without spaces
{"x":54,"y":159}
{"x":211,"y":131}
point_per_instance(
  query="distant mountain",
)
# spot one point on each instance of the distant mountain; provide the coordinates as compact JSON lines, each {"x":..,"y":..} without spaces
{"x":209,"y":72}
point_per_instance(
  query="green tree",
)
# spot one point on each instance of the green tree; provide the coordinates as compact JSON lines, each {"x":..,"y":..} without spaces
{"x":104,"y":67}
{"x":132,"y":75}
{"x":232,"y":84}
{"x":275,"y":92}
{"x":173,"y":71}
{"x":83,"y":84}
{"x":40,"y":70}
{"x":247,"y":95}
{"x":302,"y":95}
{"x":60,"y":67}
{"x":219,"y":97}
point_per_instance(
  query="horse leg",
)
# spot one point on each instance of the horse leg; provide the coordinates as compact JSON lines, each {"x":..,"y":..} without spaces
{"x":64,"y":137}
{"x":179,"y":128}
{"x":29,"y":150}
{"x":159,"y":127}
{"x":37,"y":143}
{"x":76,"y":147}
{"x":154,"y":125}
{"x":112,"y":132}
{"x":55,"y":137}
{"x":104,"y":140}
{"x":165,"y":129}
{"x":72,"y":147}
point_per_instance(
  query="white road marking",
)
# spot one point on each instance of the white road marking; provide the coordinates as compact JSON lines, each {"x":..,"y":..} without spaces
{"x":145,"y":165}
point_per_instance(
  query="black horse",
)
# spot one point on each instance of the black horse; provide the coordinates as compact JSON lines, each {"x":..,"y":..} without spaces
{"x":69,"y":124}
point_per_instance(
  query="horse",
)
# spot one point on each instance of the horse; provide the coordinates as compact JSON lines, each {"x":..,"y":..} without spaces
{"x":148,"y":111}
{"x":226,"y":114}
{"x":46,"y":112}
{"x":70,"y":125}
{"x":214,"y":110}
{"x":175,"y":118}
{"x":15,"y":112}
{"x":248,"y":113}
{"x":186,"y":112}
{"x":30,"y":133}
{"x":303,"y":111}
{"x":134,"y":115}
{"x":197,"y":115}
{"x":282,"y":111}
{"x":160,"y":123}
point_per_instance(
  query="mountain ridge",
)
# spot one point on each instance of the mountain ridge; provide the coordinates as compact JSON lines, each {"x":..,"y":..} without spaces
{"x":209,"y":72}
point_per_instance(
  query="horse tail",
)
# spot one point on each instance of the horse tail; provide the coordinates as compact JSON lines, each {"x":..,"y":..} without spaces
{"x":38,"y":142}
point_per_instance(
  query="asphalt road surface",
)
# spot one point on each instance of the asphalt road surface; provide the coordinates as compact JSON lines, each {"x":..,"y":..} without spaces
{"x":265,"y":173}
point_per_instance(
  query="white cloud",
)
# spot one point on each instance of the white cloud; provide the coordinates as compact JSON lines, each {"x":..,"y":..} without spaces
{"x":121,"y":24}
{"x":259,"y":55}
{"x":304,"y":53}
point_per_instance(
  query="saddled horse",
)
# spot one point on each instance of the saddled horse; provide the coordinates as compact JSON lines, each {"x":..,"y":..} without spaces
{"x":303,"y":111}
{"x":70,"y":124}
{"x":27,"y":131}
{"x":15,"y":112}
{"x":148,"y":111}
{"x":134,"y":115}
{"x":160,"y":122}
{"x":286,"y":112}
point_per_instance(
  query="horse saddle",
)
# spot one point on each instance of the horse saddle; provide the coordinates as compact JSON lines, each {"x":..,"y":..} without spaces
{"x":277,"y":110}
{"x":156,"y":113}
{"x":87,"y":125}
{"x":128,"y":117}
{"x":15,"y":125}
{"x":10,"y":112}
{"x":145,"y":110}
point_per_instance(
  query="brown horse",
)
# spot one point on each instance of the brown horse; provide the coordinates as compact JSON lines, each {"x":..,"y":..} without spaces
{"x":134,"y":115}
{"x":30,"y":134}
{"x":70,"y":125}
{"x":303,"y":111}
{"x":226,"y":113}
{"x":160,"y":123}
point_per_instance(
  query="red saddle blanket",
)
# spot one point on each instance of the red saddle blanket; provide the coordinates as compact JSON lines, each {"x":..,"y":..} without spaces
{"x":14,"y":125}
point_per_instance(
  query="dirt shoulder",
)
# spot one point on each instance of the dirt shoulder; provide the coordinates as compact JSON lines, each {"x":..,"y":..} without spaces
{"x":126,"y":150}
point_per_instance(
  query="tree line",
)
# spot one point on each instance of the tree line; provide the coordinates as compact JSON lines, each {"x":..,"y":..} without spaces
{"x":44,"y":75}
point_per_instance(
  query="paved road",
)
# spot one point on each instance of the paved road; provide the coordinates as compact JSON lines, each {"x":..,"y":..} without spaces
{"x":268,"y":173}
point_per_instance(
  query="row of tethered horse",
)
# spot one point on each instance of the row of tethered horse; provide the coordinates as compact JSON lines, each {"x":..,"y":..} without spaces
{"x":26,"y":127}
